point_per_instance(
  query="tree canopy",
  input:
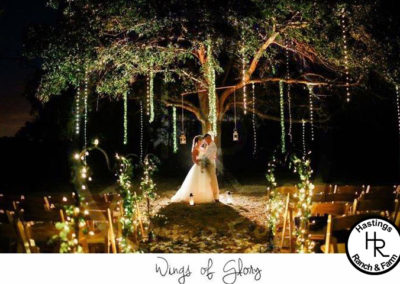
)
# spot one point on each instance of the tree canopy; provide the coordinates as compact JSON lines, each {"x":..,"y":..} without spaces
{"x":119,"y":45}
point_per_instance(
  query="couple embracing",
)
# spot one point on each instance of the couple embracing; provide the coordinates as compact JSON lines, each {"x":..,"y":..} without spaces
{"x":201,"y":181}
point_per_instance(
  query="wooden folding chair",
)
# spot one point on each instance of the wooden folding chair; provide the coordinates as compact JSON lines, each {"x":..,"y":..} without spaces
{"x":386,"y":206}
{"x":328,"y":208}
{"x":336,"y":225}
{"x":317,"y":232}
{"x":288,"y":225}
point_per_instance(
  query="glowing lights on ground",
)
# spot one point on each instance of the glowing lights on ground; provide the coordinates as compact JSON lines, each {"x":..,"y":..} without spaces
{"x":282,"y":115}
{"x":191,"y":199}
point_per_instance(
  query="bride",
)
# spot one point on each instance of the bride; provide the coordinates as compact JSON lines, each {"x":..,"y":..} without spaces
{"x":197,"y":181}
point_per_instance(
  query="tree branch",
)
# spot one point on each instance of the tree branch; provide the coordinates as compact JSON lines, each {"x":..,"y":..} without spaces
{"x":187,"y":106}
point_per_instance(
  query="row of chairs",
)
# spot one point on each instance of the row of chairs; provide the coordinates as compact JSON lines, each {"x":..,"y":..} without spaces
{"x":348,"y":203}
{"x":29,"y":223}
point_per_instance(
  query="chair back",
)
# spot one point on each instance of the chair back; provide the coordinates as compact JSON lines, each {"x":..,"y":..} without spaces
{"x":325,"y":208}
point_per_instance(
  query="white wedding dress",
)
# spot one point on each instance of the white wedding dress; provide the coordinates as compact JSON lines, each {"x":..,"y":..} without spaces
{"x":198,"y":183}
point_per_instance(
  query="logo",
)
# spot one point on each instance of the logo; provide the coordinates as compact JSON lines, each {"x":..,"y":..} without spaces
{"x":373,"y":246}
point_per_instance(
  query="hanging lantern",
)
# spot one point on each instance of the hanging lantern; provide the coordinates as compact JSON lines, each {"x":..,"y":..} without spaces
{"x":229,"y":200}
{"x":182,"y":138}
{"x":191,"y":199}
{"x":235,"y":135}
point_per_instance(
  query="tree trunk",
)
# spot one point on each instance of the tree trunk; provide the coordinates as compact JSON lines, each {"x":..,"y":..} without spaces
{"x":206,"y":127}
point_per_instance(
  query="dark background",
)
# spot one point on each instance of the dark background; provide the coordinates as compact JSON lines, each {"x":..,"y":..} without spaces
{"x":360,"y":143}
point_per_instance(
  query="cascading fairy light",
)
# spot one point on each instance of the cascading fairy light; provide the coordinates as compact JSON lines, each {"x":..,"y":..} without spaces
{"x":212,"y":97}
{"x":85,"y":102}
{"x":175,"y":144}
{"x":141,"y":132}
{"x":254,"y":120}
{"x":311,"y":108}
{"x":77,"y":111}
{"x":125,"y":118}
{"x":303,"y":136}
{"x":244,"y":83}
{"x":282,"y":111}
{"x":150,"y":96}
{"x":345,"y":49}
{"x":288,"y":92}
{"x":398,"y":106}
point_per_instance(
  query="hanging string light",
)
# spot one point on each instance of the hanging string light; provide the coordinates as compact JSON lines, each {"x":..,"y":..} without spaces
{"x":303,"y":135}
{"x":85,"y":103}
{"x":235,"y":132}
{"x":288,"y":92}
{"x":125,"y":98}
{"x":254,"y":119}
{"x":345,"y":49}
{"x":175,"y":144}
{"x":311,"y":108}
{"x":141,"y":132}
{"x":212,"y":97}
{"x":398,"y":106}
{"x":244,"y":82}
{"x":77,"y":111}
{"x":150,"y":96}
{"x":182,"y":137}
{"x":282,"y":111}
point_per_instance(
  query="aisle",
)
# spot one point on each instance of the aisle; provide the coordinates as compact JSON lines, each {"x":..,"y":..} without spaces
{"x":217,"y":227}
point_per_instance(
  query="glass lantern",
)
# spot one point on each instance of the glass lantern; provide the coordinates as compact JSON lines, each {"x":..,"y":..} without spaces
{"x":182,"y":138}
{"x":235,"y":135}
{"x":229,"y":199}
{"x":191,"y":199}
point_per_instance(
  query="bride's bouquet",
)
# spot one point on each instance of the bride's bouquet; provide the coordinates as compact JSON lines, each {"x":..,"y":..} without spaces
{"x":204,"y":163}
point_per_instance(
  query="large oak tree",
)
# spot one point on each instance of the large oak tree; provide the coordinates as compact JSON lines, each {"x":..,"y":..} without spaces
{"x":196,"y":49}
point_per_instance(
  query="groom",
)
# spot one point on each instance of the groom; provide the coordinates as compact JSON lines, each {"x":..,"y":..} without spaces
{"x":211,"y":154}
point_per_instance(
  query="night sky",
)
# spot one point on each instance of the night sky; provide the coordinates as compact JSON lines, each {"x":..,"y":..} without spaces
{"x":15,"y":18}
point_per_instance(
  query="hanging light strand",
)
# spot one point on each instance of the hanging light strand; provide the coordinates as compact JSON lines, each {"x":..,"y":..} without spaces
{"x":282,"y":113}
{"x":150,"y":96}
{"x":288,"y":92}
{"x":85,"y":103}
{"x":141,"y":132}
{"x":244,"y":81}
{"x":125,"y":118}
{"x":303,"y":136}
{"x":77,"y":111}
{"x":345,"y":50}
{"x":212,"y":97}
{"x":175,"y":144}
{"x":254,"y":119}
{"x":398,"y":106}
{"x":311,"y":110}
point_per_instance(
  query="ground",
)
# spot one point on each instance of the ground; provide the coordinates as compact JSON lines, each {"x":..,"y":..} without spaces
{"x":217,"y":227}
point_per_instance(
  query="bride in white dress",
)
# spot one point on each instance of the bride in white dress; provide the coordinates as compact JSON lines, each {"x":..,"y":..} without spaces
{"x":197,"y":181}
